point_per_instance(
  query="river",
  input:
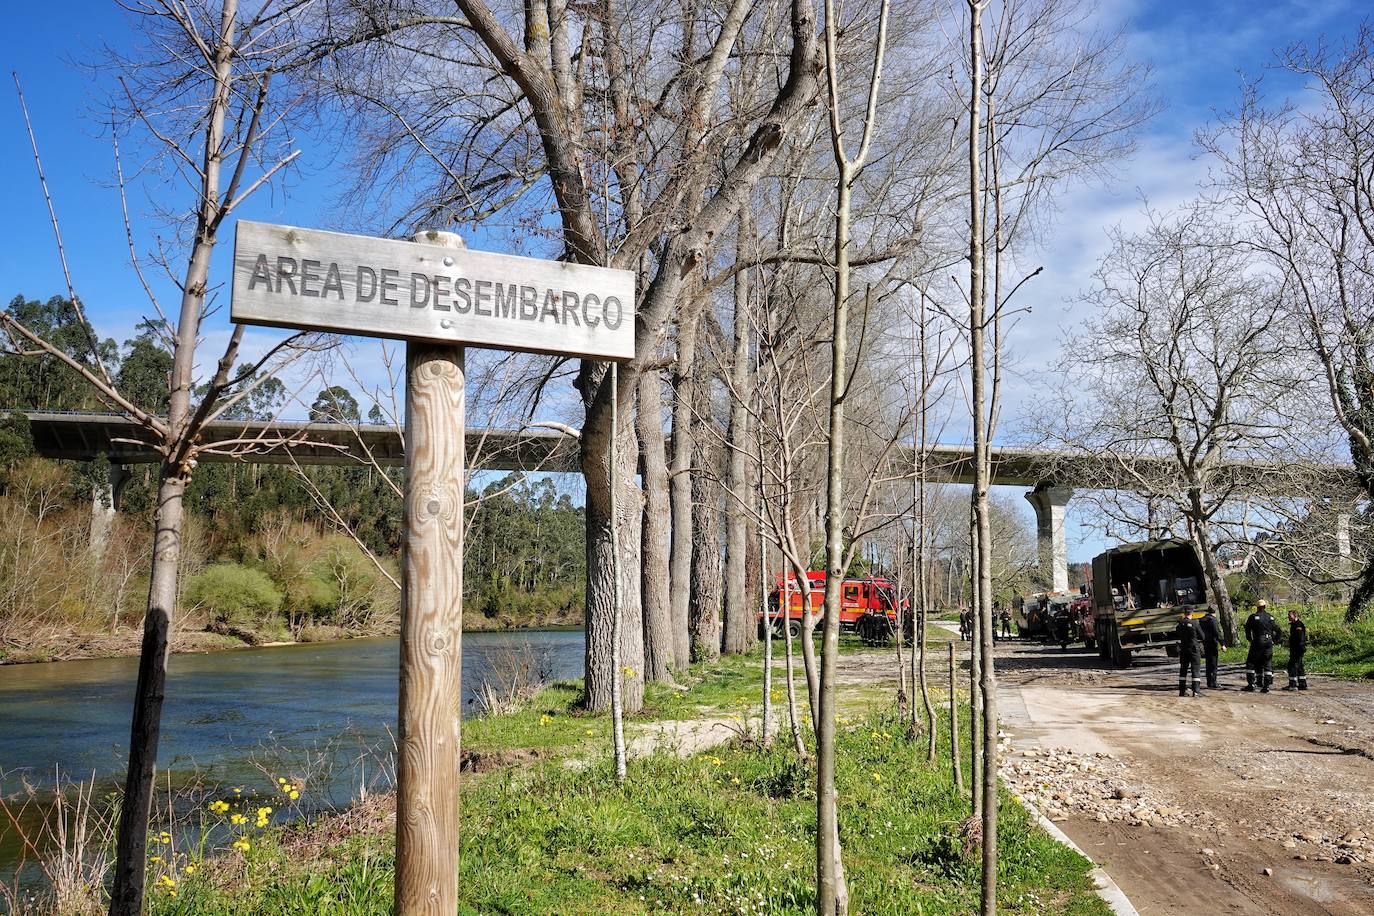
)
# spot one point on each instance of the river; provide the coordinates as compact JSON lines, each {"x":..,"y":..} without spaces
{"x":298,"y":710}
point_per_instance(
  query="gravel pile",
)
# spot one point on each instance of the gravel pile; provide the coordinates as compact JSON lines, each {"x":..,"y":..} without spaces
{"x":1063,"y":783}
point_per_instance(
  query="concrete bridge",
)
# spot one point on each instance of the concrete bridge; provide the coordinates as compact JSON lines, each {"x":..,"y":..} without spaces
{"x":1049,"y":476}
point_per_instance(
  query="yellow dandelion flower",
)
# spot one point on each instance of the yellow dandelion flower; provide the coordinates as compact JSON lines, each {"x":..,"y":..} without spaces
{"x":190,"y":868}
{"x":167,"y":881}
{"x":591,"y":731}
{"x":242,"y":845}
{"x":295,"y":795}
{"x":281,"y":779}
{"x":238,"y":791}
{"x":219,"y":807}
{"x":155,"y":859}
{"x":237,"y":819}
{"x":734,"y":780}
{"x":877,"y":777}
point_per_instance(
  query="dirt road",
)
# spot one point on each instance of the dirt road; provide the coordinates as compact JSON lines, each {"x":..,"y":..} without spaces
{"x":1229,"y":803}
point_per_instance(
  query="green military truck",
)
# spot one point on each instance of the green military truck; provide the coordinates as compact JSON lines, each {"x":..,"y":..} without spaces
{"x":1139,"y":590}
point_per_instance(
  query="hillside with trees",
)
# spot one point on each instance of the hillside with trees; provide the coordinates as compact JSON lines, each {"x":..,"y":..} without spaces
{"x":263,"y":560}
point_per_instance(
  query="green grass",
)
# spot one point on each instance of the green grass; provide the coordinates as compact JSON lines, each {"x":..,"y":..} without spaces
{"x":726,"y":831}
{"x":1333,"y":646}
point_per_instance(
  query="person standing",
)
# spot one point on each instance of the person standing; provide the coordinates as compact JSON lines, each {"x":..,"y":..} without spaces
{"x":1189,"y":636}
{"x":1297,"y":648}
{"x":1006,"y":623}
{"x":1262,"y":632}
{"x":1213,"y":644}
{"x":965,"y":623}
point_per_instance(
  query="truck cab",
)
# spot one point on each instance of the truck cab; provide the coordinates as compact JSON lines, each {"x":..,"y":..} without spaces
{"x":1138,"y":592}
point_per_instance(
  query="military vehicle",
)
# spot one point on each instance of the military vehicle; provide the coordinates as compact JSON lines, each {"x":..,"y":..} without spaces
{"x":1138,"y":591}
{"x":1038,"y":616}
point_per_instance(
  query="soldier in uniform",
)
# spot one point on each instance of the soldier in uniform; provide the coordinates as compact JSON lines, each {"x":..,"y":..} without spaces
{"x":1262,"y":632}
{"x":1213,"y":644}
{"x":1189,"y":636}
{"x":1297,"y":648}
{"x":965,"y":623}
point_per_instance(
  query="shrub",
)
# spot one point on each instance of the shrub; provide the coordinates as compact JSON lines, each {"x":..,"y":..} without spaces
{"x":360,"y":598}
{"x":235,"y":594}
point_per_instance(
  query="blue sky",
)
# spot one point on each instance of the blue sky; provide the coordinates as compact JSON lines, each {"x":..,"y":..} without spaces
{"x":1198,"y":50}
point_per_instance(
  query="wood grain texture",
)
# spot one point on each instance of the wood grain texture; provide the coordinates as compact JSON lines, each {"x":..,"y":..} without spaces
{"x":431,"y":634}
{"x":285,"y":276}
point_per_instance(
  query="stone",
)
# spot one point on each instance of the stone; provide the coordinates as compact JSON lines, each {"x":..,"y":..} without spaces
{"x":1268,"y":871}
{"x":1208,"y":852}
{"x":1345,"y":860}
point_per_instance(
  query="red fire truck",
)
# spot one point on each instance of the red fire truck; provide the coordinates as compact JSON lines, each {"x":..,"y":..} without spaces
{"x":868,"y":606}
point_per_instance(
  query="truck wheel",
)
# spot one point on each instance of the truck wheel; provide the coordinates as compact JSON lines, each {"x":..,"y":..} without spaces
{"x":794,"y":628}
{"x":1121,"y":657}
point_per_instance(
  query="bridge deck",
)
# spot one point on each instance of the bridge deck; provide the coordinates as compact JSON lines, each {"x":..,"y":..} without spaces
{"x":86,"y":436}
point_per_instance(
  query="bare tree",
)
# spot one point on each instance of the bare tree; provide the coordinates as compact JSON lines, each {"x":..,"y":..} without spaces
{"x":832,"y":895}
{"x":212,"y":99}
{"x":1302,"y":176}
{"x":1190,"y":376}
{"x":635,"y":183}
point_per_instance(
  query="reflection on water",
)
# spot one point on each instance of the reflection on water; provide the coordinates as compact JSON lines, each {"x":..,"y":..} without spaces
{"x":226,"y":712}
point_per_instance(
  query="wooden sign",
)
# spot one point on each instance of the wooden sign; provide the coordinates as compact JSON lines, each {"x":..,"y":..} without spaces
{"x":352,"y":284}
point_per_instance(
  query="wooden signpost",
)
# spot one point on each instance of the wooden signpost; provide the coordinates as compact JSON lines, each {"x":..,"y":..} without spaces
{"x":439,"y":297}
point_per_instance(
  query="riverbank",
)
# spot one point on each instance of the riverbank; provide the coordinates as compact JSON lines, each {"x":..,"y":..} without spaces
{"x":708,"y":821}
{"x":60,"y":644}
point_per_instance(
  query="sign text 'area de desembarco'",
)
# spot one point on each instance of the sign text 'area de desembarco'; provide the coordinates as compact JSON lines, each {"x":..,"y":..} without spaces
{"x":352,"y":284}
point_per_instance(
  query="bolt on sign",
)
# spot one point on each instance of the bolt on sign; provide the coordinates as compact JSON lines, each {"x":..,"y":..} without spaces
{"x":439,"y":297}
{"x":350,"y":284}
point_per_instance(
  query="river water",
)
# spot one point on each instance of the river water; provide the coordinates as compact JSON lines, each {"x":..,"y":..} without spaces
{"x":228,"y":716}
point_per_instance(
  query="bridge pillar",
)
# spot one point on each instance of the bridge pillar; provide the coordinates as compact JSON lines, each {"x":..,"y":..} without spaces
{"x":1049,"y":502}
{"x":105,"y":499}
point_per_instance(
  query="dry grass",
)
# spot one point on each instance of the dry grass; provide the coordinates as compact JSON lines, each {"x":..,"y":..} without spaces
{"x":69,"y":837}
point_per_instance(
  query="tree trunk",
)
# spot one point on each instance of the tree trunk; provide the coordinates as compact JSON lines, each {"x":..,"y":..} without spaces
{"x":739,"y":629}
{"x":1362,"y":595}
{"x":660,"y":648}
{"x":766,"y":738}
{"x":680,"y":484}
{"x":1216,"y":582}
{"x":983,"y":645}
{"x":126,"y":898}
{"x":705,"y":592}
{"x":600,"y":606}
{"x":793,"y":721}
{"x":975,"y":665}
{"x":954,"y":750}
{"x":832,"y":896}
